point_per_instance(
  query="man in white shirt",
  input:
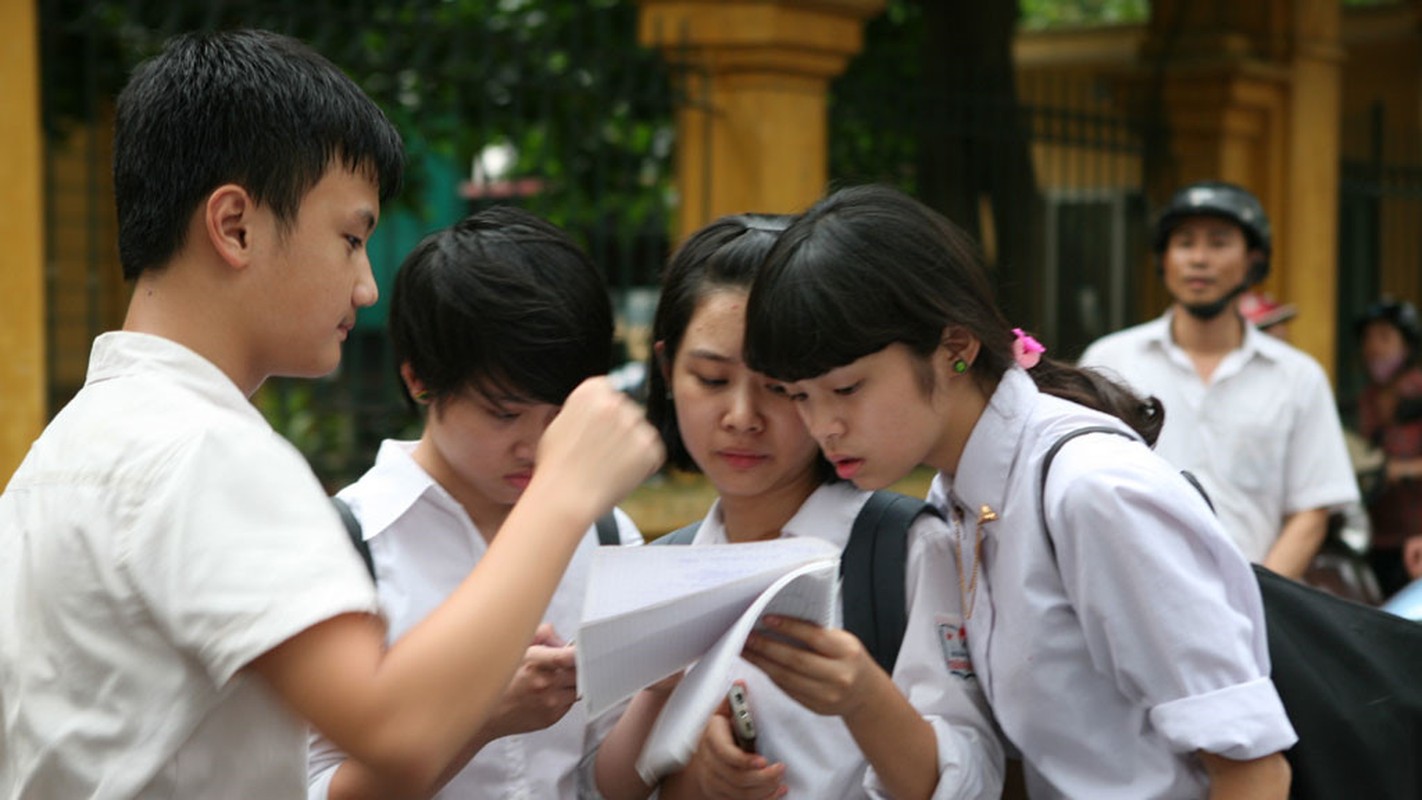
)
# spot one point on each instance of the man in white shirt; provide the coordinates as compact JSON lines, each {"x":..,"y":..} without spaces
{"x":1250,"y":416}
{"x":176,"y":594}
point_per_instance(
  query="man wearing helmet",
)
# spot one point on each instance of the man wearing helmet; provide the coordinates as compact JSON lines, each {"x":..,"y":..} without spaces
{"x":1390,"y":417}
{"x":1252,"y":417}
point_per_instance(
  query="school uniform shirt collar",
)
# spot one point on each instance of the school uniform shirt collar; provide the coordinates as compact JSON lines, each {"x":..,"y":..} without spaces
{"x":127,"y":354}
{"x":828,"y":514}
{"x":991,"y":452}
{"x":394,"y":484}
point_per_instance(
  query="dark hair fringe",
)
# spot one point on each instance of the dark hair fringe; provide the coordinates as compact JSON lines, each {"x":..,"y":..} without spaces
{"x":503,"y":303}
{"x":870,"y":266}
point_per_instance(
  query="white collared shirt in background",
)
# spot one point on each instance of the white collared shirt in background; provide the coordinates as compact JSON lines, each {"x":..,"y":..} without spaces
{"x":424,"y":545}
{"x":1139,"y":641}
{"x":158,"y":537}
{"x":1262,"y":436}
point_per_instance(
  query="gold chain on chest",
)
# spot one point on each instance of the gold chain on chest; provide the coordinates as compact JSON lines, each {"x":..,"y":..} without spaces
{"x":968,"y":589}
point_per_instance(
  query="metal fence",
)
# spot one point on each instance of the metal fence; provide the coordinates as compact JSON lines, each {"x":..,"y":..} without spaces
{"x":1379,"y":238}
{"x":1046,"y":167}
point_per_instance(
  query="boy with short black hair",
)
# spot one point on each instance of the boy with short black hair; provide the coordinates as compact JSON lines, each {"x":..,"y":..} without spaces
{"x":177,"y":593}
{"x":494,"y":321}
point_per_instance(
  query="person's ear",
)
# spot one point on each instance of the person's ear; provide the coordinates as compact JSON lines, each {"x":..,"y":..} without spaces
{"x":413,"y":384}
{"x":659,"y":352}
{"x":957,"y":344}
{"x":227,"y":221}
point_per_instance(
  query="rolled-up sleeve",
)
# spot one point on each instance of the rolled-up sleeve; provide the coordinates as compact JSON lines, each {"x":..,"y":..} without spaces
{"x":940,"y":684}
{"x":1195,"y":656}
{"x":1241,"y":722}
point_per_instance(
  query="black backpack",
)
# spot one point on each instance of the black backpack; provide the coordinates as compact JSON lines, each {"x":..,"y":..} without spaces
{"x":871,"y":571}
{"x":607,"y":532}
{"x":1350,"y":678}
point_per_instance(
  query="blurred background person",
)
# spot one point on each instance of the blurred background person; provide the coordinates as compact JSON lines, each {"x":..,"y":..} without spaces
{"x":1390,"y":418}
{"x":1267,"y":314}
{"x":1249,"y":415}
{"x":1341,"y":566}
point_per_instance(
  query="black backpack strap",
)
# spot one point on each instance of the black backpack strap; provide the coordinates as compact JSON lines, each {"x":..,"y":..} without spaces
{"x":1199,"y":487}
{"x":353,"y":530}
{"x":872,"y":573}
{"x":680,"y":535}
{"x":1052,"y":453}
{"x":1047,"y":465}
{"x":607,"y":532}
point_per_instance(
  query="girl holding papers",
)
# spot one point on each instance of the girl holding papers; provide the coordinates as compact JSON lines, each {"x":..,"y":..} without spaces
{"x":817,"y":731}
{"x":1114,"y":626}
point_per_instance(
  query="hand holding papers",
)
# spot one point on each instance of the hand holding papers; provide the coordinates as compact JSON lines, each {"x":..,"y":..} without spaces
{"x":651,"y":611}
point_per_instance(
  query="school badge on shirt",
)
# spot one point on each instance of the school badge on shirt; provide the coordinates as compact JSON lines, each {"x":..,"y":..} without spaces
{"x":953,"y":638}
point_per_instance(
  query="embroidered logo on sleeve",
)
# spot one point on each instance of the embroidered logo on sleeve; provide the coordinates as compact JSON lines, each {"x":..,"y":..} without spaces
{"x":953,"y":638}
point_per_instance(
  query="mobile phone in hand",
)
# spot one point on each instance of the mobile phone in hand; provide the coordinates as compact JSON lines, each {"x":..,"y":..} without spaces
{"x":742,"y":725}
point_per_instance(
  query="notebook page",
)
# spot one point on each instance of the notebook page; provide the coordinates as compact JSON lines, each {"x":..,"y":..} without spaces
{"x":810,"y":592}
{"x":651,"y":611}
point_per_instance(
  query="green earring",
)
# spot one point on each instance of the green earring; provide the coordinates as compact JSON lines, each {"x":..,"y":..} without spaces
{"x":960,"y":366}
{"x":422,"y":397}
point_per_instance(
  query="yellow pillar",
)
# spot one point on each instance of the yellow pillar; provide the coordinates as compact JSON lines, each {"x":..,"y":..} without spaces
{"x":1311,"y":199}
{"x":754,"y":75}
{"x":22,"y":373}
{"x":1251,"y":95}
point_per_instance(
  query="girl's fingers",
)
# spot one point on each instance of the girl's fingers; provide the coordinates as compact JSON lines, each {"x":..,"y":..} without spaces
{"x":786,"y":656}
{"x":829,"y":642}
{"x":722,"y":747}
{"x":731,"y":772}
{"x":798,"y":630}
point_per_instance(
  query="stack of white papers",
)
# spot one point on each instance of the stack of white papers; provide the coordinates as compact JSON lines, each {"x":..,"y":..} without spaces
{"x":651,"y":611}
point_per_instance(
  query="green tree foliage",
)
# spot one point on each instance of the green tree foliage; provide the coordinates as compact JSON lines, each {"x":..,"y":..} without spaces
{"x":1039,"y":14}
{"x":587,"y":111}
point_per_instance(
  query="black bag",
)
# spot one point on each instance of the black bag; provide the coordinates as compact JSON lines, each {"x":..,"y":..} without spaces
{"x":607,"y":532}
{"x":1350,"y":678}
{"x":871,"y":570}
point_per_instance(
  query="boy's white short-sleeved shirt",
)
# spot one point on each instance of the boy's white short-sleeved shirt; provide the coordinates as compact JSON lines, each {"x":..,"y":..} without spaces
{"x":157,"y":538}
{"x":424,"y":545}
{"x":820,"y":756}
{"x":1262,"y":436}
{"x":1139,"y":640}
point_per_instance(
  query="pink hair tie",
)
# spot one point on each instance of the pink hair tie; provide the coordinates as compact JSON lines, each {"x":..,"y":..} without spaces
{"x":1026,"y":350}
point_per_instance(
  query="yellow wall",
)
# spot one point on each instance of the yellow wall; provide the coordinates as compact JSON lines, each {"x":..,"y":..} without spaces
{"x":22,"y":375}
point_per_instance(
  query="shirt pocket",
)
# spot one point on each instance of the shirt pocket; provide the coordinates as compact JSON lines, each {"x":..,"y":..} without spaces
{"x":1253,"y":456}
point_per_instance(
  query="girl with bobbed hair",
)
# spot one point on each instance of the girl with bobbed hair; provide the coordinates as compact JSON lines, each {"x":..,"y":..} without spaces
{"x":1116,"y":631}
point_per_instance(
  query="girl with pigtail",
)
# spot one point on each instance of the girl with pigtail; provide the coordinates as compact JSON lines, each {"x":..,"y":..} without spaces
{"x":1115,"y":630}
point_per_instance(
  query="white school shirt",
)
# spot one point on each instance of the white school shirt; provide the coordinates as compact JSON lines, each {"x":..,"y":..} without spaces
{"x":821,"y":758}
{"x":1140,"y":642}
{"x":1262,"y":436}
{"x":158,"y":537}
{"x":424,"y":545}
